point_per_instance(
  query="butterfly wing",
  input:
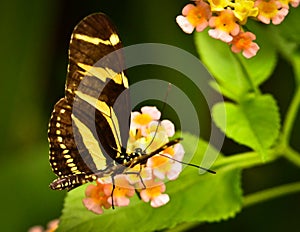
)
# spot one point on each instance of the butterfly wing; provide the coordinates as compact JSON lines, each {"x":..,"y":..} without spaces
{"x":89,"y":126}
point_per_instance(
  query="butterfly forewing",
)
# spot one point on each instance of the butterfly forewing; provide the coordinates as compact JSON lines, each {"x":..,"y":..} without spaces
{"x":90,"y":41}
{"x":89,"y":127}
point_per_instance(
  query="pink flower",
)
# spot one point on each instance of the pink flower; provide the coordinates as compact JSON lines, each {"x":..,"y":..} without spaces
{"x":194,"y":16}
{"x":225,"y":26}
{"x":271,"y":10}
{"x":164,"y":167}
{"x":135,"y":179}
{"x":152,"y":111}
{"x":294,"y":3}
{"x":169,"y":127}
{"x":122,"y":192}
{"x":244,"y":42}
{"x":51,"y":227}
{"x":96,"y":199}
{"x":142,"y":120}
{"x":154,"y":194}
{"x":36,"y":229}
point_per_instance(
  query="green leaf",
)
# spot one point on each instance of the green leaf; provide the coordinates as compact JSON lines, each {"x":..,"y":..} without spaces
{"x":289,"y":28}
{"x":254,"y":122}
{"x":235,"y":74}
{"x":222,"y":64}
{"x":263,"y":64}
{"x":225,"y":92}
{"x":193,"y":197}
{"x":285,"y":38}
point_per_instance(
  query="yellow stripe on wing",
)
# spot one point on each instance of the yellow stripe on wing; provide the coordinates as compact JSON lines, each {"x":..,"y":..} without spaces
{"x":91,"y":144}
{"x":107,"y":112}
{"x":103,"y":74}
{"x":113,"y":39}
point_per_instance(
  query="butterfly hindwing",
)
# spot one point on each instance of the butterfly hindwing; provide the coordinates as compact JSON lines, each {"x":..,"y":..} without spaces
{"x":65,"y":157}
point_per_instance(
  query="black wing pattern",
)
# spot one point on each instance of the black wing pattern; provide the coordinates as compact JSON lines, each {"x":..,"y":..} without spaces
{"x":89,"y":127}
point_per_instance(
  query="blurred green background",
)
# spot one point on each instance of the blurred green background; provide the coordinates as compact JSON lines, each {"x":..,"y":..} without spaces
{"x":34,"y":42}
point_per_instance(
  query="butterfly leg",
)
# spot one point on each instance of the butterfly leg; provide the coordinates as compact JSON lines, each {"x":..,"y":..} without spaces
{"x":139,"y":175}
{"x":138,"y":194}
{"x":137,"y":191}
{"x":112,"y":192}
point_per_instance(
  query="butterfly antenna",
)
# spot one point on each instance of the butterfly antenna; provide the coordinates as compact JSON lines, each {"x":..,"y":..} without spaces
{"x":162,"y":110}
{"x":189,"y":164}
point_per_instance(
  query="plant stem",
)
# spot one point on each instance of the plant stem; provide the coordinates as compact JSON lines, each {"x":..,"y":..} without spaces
{"x":292,"y":156}
{"x":271,"y":193}
{"x":245,"y":160}
{"x":290,"y":117}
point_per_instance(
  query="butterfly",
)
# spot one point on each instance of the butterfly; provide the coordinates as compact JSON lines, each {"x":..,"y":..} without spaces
{"x":89,"y":127}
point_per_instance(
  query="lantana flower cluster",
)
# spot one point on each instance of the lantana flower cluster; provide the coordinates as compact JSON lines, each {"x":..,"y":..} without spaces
{"x":51,"y":227}
{"x":148,"y":134}
{"x":226,"y":19}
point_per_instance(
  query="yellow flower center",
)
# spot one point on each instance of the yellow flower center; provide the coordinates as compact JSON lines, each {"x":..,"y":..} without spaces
{"x":268,"y":8}
{"x":120,"y":191}
{"x":99,"y":196}
{"x":216,"y":2}
{"x":142,"y":119}
{"x":226,"y":21}
{"x":97,"y":192}
{"x":158,"y":161}
{"x":154,"y":191}
{"x":170,"y":151}
{"x":243,"y":42}
{"x":196,"y":15}
{"x":218,"y":5}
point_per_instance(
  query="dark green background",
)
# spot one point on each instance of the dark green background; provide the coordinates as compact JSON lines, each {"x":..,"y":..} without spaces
{"x":33,"y":44}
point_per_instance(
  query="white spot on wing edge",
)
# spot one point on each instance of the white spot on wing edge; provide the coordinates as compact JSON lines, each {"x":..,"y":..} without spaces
{"x":114,"y":39}
{"x":62,"y":146}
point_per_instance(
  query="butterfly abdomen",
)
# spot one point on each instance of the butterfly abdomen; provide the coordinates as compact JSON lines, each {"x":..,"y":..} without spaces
{"x":72,"y":181}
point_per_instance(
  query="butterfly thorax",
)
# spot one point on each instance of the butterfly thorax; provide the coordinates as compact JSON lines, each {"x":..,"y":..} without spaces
{"x":129,"y":160}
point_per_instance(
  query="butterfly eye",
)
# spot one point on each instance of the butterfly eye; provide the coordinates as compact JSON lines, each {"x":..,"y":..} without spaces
{"x":139,"y":151}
